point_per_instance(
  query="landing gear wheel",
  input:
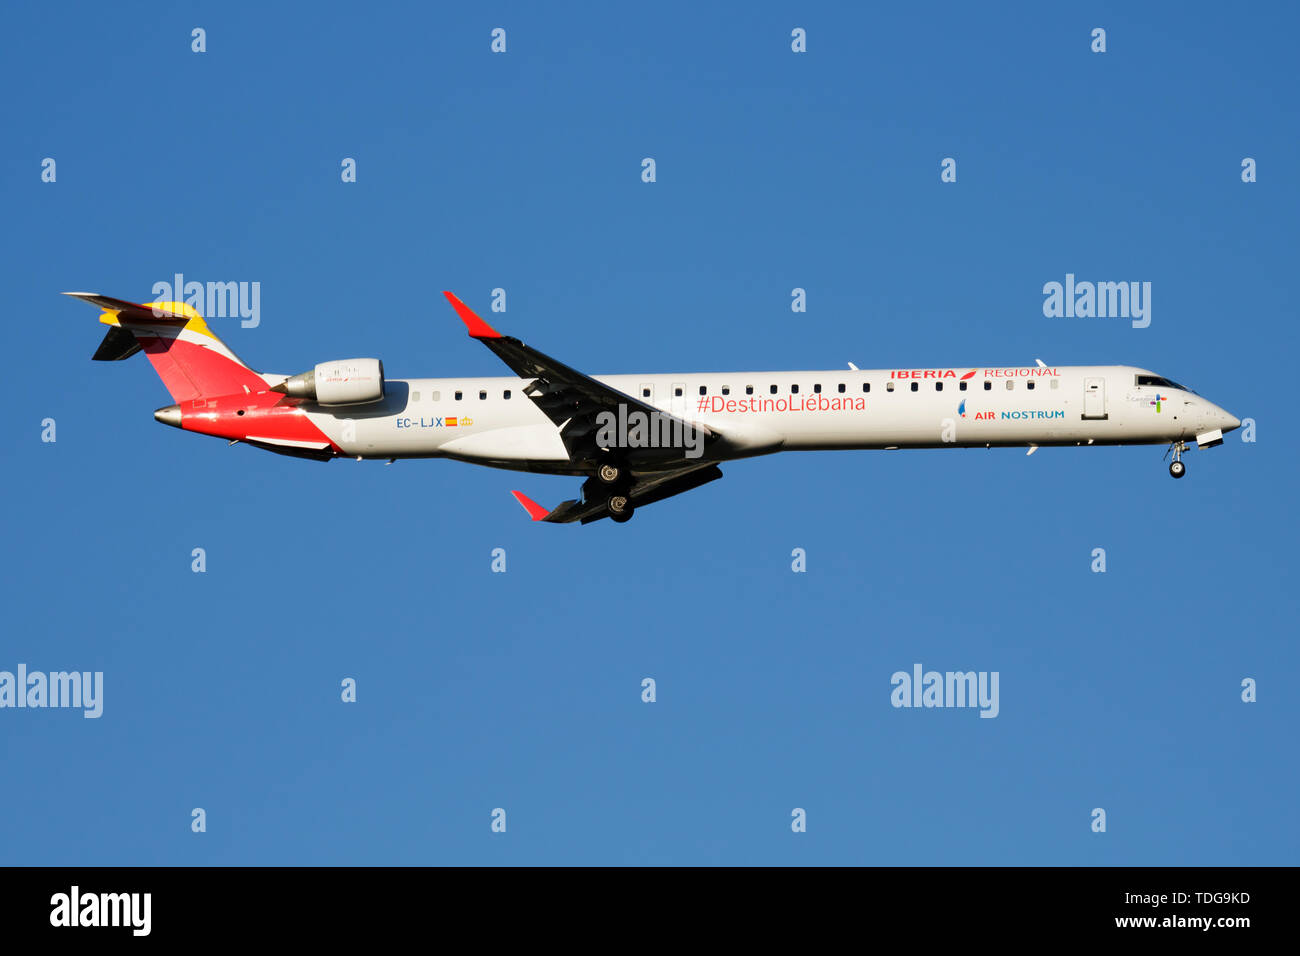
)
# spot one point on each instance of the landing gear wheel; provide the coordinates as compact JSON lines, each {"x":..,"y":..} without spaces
{"x":620,"y":509}
{"x":609,"y":474}
{"x":1176,"y":467}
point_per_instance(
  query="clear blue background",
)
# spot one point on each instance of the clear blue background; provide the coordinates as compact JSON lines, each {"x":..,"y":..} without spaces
{"x":522,"y":690}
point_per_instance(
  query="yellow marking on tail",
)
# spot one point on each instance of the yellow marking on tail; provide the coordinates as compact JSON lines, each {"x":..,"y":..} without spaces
{"x":195,"y":321}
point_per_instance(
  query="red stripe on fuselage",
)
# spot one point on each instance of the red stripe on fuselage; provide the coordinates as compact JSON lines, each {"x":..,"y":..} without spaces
{"x":264,"y":415}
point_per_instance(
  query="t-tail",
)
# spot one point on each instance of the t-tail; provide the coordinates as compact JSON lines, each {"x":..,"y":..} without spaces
{"x":189,"y":358}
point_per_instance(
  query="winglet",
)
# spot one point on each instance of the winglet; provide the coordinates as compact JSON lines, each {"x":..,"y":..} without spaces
{"x":478,"y":329}
{"x":535,"y":511}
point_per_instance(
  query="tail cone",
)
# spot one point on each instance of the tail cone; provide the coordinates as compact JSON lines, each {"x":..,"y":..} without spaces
{"x":171,"y":415}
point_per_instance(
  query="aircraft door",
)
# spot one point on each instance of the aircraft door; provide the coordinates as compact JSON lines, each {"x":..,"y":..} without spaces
{"x":1094,"y":398}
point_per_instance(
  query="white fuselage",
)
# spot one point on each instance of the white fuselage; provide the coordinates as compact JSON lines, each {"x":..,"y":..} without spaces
{"x":491,"y":421}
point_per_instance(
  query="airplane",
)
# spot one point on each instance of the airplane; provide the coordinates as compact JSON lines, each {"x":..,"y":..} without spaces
{"x":638,"y":439}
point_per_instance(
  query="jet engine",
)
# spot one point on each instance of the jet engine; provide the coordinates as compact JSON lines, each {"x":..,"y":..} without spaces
{"x":345,"y":382}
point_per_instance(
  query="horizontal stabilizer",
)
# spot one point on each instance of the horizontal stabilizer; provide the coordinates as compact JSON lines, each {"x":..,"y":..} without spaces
{"x":131,"y":311}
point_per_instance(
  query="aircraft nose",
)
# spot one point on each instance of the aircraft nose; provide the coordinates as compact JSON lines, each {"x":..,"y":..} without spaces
{"x":1229,"y":421}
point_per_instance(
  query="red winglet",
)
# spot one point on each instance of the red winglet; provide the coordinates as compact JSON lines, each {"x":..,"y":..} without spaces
{"x":535,"y":511}
{"x":477,"y":327}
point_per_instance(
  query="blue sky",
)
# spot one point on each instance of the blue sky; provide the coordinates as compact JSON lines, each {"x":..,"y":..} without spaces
{"x":522,"y":690}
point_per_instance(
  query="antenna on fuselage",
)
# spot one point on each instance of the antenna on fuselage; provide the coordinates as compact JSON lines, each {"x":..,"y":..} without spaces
{"x":854,"y":367}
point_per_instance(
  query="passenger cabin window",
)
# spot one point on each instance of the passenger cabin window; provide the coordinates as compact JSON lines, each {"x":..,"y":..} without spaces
{"x":482,"y":395}
{"x":726,"y":390}
{"x":841,"y":388}
{"x":1056,"y":383}
{"x":889,"y":386}
{"x":645,"y":393}
{"x":916,"y":386}
{"x":817,"y":389}
{"x":749,"y":389}
{"x":987,"y":385}
{"x":1010,"y":385}
{"x":1029,"y":385}
{"x":458,"y":396}
{"x":678,"y":391}
{"x":866,"y":387}
{"x":773,"y":388}
{"x":794,"y":389}
{"x":938,"y":386}
{"x":436,"y":396}
{"x":961,"y":386}
{"x":506,"y":394}
{"x":415,"y":396}
{"x":704,"y":389}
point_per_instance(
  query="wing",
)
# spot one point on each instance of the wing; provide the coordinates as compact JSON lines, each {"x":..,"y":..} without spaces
{"x":576,"y":403}
{"x":648,"y":489}
{"x":570,"y":399}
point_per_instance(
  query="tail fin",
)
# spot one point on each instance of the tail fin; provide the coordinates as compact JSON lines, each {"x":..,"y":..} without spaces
{"x":191,"y":361}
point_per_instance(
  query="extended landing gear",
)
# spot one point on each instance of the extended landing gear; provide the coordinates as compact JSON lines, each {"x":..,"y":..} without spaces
{"x":611,"y":483}
{"x":620,"y":508}
{"x":1176,"y":467}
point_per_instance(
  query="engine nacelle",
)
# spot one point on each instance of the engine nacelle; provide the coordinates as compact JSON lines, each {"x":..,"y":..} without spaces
{"x":345,"y":382}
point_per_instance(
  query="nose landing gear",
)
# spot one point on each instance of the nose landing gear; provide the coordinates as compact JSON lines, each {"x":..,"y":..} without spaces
{"x":1176,"y":467}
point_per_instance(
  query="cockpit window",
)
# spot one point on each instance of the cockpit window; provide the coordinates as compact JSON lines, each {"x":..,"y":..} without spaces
{"x":1159,"y":382}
